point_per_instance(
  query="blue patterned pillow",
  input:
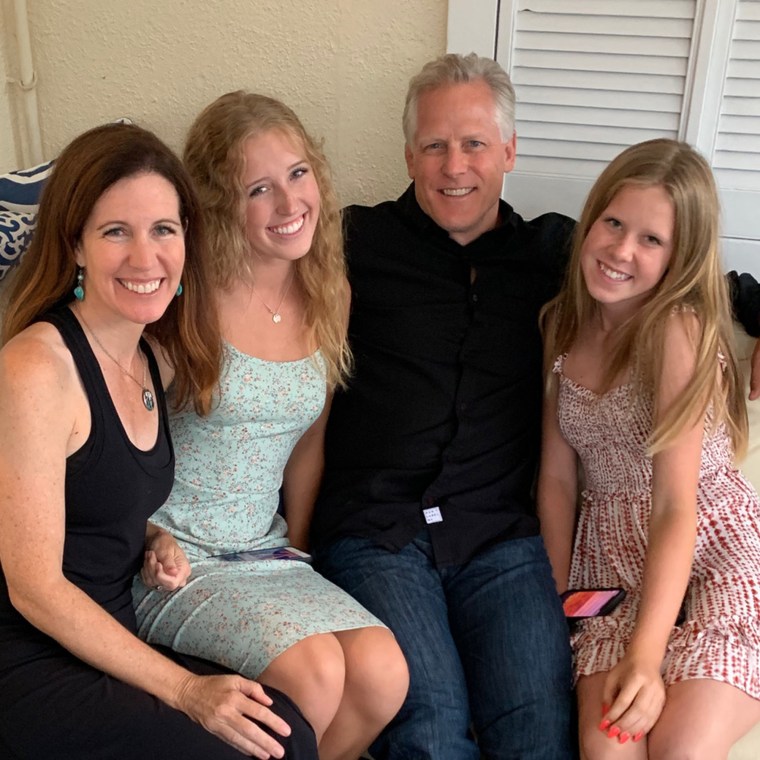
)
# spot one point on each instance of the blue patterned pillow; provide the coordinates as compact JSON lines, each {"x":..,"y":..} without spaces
{"x":20,"y":190}
{"x":19,"y":198}
{"x":15,"y":233}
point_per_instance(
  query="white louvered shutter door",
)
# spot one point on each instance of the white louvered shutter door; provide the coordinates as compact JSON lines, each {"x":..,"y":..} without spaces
{"x":736,"y":154}
{"x":591,"y":78}
{"x":594,"y":76}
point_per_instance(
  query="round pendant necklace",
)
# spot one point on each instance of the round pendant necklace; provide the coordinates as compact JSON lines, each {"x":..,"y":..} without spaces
{"x":276,"y":316}
{"x":147,"y":396}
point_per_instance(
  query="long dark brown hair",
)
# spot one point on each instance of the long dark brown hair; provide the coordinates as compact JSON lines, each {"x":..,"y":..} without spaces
{"x":188,"y":330}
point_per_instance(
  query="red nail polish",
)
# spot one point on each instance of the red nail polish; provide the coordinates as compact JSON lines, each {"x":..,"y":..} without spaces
{"x":638,"y":737}
{"x":624,"y":737}
{"x":605,"y":724}
{"x":613,"y":732}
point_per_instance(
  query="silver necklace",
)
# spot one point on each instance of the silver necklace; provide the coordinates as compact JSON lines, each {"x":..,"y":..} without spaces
{"x":147,"y":396}
{"x":276,"y":316}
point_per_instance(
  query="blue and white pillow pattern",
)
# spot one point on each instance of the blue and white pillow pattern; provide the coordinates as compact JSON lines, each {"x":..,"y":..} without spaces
{"x":20,"y":190}
{"x":19,"y":196}
{"x":15,"y":235}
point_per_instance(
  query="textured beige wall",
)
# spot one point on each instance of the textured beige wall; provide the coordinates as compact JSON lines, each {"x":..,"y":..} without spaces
{"x":342,"y":65}
{"x":10,"y":152}
{"x":7,"y":141}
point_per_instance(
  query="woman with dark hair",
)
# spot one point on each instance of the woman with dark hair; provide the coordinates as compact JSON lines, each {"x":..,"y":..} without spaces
{"x":108,"y":307}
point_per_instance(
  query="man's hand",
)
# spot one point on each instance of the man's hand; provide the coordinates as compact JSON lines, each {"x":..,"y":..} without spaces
{"x":754,"y":376}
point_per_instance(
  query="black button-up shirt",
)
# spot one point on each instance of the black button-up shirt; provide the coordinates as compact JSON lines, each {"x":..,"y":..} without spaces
{"x":441,"y":423}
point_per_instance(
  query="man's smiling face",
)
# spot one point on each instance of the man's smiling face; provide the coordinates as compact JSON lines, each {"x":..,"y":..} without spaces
{"x":459,"y":158}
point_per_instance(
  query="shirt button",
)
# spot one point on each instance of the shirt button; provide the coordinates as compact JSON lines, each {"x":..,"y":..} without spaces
{"x":474,"y":297}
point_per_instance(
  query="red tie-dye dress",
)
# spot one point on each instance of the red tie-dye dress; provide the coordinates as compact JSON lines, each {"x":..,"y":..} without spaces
{"x":719,"y":637}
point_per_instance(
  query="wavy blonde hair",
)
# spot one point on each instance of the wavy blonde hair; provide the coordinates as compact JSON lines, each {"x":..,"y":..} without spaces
{"x":693,"y":280}
{"x":93,"y":162}
{"x":214,"y":156}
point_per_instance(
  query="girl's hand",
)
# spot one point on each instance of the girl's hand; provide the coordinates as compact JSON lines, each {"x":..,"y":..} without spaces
{"x":635,"y":693}
{"x":165,"y":564}
{"x":227,"y":706}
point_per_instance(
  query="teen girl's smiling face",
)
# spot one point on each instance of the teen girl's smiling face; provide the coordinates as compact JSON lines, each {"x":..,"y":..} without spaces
{"x":282,"y":197}
{"x":628,"y":248}
{"x":132,"y":249}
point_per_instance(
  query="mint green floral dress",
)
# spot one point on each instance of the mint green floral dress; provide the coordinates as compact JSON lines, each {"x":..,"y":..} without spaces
{"x":229,"y":469}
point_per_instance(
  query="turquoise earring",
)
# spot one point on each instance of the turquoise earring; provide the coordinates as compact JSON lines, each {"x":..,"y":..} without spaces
{"x":179,"y":289}
{"x":79,"y":289}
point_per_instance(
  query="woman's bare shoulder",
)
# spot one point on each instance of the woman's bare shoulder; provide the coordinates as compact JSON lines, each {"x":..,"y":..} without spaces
{"x":37,"y":359}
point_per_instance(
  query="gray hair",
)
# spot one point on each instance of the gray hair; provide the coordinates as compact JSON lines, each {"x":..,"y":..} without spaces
{"x":453,"y":68}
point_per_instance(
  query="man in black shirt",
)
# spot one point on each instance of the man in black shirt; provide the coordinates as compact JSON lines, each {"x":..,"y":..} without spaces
{"x":426,"y":514}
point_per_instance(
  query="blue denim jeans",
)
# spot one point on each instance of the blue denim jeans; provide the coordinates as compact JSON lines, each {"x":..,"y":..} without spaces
{"x":486,"y":642}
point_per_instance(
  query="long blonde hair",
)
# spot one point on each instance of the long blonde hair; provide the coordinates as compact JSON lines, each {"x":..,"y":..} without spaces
{"x":214,"y":156}
{"x":693,"y":280}
{"x":87,"y":167}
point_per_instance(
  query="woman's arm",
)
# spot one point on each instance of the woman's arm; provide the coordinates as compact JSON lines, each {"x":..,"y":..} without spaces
{"x":557,"y":492}
{"x":634,"y":688}
{"x":302,"y":477}
{"x":44,"y":417}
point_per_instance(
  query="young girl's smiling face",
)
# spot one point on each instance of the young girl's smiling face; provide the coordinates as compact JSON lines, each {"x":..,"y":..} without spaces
{"x":628,"y":248}
{"x":282,"y":206}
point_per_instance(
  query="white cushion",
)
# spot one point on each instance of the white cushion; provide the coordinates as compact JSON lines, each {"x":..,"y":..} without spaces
{"x":748,"y":748}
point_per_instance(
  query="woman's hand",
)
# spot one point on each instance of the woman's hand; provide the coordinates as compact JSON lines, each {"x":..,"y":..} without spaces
{"x":635,"y":693}
{"x":227,"y":706}
{"x":165,"y":566}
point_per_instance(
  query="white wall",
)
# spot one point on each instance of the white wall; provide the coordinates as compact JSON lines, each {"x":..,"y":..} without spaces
{"x":342,"y":65}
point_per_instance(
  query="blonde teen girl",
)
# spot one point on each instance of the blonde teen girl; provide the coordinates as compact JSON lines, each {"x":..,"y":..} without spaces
{"x":643,"y":392}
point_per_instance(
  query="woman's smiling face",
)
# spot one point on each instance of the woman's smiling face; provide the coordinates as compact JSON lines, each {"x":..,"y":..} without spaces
{"x":133,"y":249}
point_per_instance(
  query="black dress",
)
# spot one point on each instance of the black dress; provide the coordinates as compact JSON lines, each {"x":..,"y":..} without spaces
{"x":53,"y":705}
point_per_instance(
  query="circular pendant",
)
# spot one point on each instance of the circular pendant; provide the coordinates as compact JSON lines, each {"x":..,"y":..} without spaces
{"x":148,"y":401}
{"x":277,"y":317}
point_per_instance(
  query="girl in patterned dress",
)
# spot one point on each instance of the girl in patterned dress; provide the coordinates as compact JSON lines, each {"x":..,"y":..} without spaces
{"x":643,"y":392}
{"x":282,"y":300}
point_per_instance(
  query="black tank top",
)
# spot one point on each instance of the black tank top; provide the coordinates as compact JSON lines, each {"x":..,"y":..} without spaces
{"x":111,"y":489}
